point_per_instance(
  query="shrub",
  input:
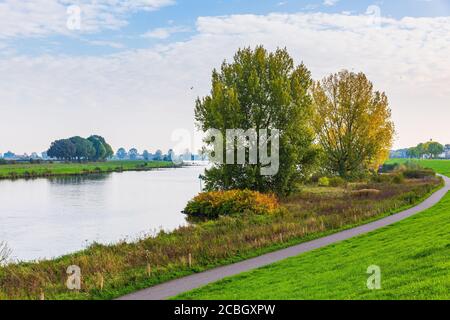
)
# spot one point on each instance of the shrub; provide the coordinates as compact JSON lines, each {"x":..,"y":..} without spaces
{"x":221,"y":203}
{"x":398,"y":178}
{"x":418,"y":173}
{"x":324,"y":182}
{"x":382,"y":178}
{"x":337,"y":182}
{"x":389,"y":167}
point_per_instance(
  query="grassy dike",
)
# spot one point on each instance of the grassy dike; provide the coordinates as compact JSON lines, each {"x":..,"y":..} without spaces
{"x":28,"y":170}
{"x":115,"y":270}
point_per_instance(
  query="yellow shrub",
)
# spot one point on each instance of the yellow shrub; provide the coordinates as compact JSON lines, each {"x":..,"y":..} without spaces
{"x":219,"y":203}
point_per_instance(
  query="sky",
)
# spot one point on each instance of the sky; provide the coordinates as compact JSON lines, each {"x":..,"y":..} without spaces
{"x":130,"y":70}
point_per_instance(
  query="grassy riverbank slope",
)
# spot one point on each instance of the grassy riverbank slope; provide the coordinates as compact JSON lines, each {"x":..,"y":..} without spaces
{"x":115,"y":270}
{"x":28,"y":170}
{"x":440,"y":166}
{"x":413,"y":256}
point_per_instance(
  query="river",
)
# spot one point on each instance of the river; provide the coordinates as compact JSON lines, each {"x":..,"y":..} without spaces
{"x":50,"y":217}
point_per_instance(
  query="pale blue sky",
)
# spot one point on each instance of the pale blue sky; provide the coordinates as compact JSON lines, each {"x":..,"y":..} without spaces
{"x":127,"y":73}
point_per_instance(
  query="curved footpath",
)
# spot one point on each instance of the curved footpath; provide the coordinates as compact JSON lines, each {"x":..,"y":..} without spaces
{"x":175,"y":287}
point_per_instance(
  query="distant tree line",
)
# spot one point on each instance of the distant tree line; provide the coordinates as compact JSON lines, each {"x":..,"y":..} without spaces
{"x":94,"y":148}
{"x":133,"y":154}
{"x":429,"y":149}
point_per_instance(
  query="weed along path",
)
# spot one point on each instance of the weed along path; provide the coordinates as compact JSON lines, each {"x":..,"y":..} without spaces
{"x":175,"y":287}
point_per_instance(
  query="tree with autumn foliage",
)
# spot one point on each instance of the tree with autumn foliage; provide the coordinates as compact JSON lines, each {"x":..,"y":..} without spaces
{"x":352,"y":123}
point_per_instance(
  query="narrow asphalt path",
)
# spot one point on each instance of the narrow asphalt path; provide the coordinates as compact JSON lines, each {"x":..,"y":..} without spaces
{"x":175,"y":287}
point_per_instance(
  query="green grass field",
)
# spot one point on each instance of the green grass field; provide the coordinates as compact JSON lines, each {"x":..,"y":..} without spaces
{"x":440,"y":166}
{"x":14,"y":171}
{"x":413,"y":256}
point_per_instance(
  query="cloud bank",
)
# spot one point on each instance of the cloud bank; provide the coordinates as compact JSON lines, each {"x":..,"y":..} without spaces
{"x":141,"y":96}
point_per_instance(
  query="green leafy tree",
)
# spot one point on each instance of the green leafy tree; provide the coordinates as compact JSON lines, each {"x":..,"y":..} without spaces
{"x":422,"y":149}
{"x":133,"y":153}
{"x":434,"y":149}
{"x":63,"y":149}
{"x":158,"y":155}
{"x":146,"y":155}
{"x":122,"y":153}
{"x":261,"y":90}
{"x":413,"y":152}
{"x":84,"y":149}
{"x":102,"y":149}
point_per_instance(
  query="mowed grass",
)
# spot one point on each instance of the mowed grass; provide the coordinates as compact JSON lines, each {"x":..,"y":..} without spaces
{"x":440,"y":166}
{"x":414,"y":257}
{"x":28,"y":170}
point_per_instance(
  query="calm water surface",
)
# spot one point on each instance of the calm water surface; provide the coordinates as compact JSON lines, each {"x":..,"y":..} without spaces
{"x":46,"y":218}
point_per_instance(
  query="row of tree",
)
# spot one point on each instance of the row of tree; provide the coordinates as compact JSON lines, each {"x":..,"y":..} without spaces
{"x":133,"y":154}
{"x":339,"y":125}
{"x":94,"y":148}
{"x":429,"y":149}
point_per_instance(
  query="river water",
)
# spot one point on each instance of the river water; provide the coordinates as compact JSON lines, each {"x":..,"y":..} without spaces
{"x":50,"y":217}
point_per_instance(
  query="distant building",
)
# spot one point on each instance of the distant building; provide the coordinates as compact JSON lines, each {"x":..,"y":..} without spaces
{"x":447,"y":151}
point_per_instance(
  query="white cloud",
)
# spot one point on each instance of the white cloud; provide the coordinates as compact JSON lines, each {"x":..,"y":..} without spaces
{"x":46,"y":17}
{"x":164,"y":33}
{"x":101,"y":43}
{"x":330,"y":3}
{"x":139,"y":97}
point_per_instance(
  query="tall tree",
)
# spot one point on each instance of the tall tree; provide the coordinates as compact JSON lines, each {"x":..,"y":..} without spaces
{"x":146,"y":155}
{"x":133,"y":153}
{"x":122,"y":153}
{"x":84,"y":149}
{"x":413,"y":152}
{"x":102,"y":149}
{"x":352,"y":122}
{"x":434,"y":149}
{"x":63,"y":149}
{"x":261,"y":90}
{"x":158,"y":155}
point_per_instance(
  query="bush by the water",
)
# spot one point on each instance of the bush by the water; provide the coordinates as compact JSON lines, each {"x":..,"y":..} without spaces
{"x":337,"y":182}
{"x":324,"y":182}
{"x":221,"y":203}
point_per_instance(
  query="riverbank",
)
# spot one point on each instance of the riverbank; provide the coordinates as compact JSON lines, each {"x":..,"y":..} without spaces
{"x":113,"y":271}
{"x":39,"y":170}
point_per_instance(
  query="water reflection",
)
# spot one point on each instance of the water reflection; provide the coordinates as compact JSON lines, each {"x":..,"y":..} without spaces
{"x":78,"y":179}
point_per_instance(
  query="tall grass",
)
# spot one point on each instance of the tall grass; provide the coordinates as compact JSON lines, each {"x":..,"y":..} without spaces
{"x":125,"y":267}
